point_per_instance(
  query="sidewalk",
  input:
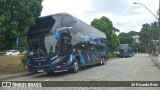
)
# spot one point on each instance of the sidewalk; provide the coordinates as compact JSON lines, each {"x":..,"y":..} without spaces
{"x":14,"y":75}
{"x":155,"y":60}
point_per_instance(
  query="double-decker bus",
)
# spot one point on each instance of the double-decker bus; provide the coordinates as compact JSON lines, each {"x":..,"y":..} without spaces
{"x":61,"y":42}
{"x":125,"y":50}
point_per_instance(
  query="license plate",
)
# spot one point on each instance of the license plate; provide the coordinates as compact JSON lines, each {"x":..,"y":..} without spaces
{"x":40,"y":70}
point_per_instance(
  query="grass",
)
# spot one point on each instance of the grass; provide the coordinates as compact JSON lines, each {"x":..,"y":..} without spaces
{"x":12,"y":70}
{"x":112,"y":55}
{"x":11,"y":64}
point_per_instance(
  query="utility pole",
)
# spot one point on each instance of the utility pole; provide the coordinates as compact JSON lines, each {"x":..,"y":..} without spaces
{"x":147,"y":9}
{"x":159,"y":24}
{"x":159,"y":33}
{"x":158,"y":18}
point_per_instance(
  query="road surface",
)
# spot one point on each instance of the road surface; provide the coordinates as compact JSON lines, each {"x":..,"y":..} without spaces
{"x":137,"y":68}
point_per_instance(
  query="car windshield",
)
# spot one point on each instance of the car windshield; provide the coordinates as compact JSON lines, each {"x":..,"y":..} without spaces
{"x":42,"y":46}
{"x":9,"y":51}
{"x":12,"y":51}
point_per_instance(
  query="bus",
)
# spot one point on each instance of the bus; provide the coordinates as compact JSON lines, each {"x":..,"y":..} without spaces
{"x":61,"y":42}
{"x":125,"y":50}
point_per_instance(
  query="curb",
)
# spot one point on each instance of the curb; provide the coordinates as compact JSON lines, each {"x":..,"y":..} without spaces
{"x":16,"y":75}
{"x":155,"y":62}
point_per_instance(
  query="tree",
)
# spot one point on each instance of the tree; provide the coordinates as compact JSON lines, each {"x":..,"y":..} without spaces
{"x":133,"y":33}
{"x":114,"y":42}
{"x":154,"y":30}
{"x":115,"y":29}
{"x":125,"y":38}
{"x":144,"y":35}
{"x":149,"y":36}
{"x":16,"y":16}
{"x":106,"y":26}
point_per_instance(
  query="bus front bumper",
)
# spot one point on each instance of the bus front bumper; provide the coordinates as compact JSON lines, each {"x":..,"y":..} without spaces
{"x":41,"y":69}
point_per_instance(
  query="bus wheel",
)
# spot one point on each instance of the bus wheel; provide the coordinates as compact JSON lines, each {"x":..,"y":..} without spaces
{"x":75,"y":67}
{"x":101,"y":61}
{"x":79,"y":65}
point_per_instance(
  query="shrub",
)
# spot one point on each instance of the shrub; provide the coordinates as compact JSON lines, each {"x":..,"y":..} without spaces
{"x":111,"y":55}
{"x":2,"y":53}
{"x":24,"y":61}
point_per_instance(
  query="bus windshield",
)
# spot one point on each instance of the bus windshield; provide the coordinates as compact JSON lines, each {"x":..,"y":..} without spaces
{"x":42,"y":47}
{"x":123,"y":50}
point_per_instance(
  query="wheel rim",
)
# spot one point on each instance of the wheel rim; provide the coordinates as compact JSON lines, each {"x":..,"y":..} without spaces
{"x":101,"y":61}
{"x":76,"y":66}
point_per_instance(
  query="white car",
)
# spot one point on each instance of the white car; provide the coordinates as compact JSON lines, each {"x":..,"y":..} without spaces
{"x":12,"y":52}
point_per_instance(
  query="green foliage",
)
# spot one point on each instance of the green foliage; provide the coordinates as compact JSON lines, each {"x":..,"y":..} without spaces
{"x":138,"y":47}
{"x":19,"y":48}
{"x":116,"y":30}
{"x":112,"y":55}
{"x":103,"y":24}
{"x":22,"y":45}
{"x":2,"y":53}
{"x":113,"y":42}
{"x":149,"y":36}
{"x":133,"y":33}
{"x":144,"y":33}
{"x":24,"y":61}
{"x":106,"y":26}
{"x":15,"y":18}
{"x":125,"y":38}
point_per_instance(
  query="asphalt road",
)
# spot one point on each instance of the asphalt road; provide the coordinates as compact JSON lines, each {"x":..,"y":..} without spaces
{"x":137,"y":68}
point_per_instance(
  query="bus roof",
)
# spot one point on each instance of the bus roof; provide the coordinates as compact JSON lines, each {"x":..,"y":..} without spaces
{"x":67,"y":20}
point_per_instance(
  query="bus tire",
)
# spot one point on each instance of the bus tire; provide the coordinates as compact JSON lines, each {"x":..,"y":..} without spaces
{"x":75,"y":67}
{"x":104,"y":60}
{"x":79,"y":65}
{"x":101,"y":61}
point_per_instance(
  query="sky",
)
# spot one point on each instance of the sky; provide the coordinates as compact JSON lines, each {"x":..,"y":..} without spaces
{"x":124,"y":15}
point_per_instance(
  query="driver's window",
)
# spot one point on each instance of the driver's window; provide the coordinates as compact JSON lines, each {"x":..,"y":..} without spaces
{"x":50,"y":44}
{"x":66,"y":35}
{"x":65,"y":31}
{"x":66,"y":39}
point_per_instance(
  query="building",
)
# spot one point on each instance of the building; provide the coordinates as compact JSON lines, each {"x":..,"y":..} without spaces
{"x":136,"y":38}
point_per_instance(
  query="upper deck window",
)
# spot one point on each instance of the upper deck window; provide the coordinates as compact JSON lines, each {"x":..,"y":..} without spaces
{"x":67,"y":21}
{"x":41,"y":24}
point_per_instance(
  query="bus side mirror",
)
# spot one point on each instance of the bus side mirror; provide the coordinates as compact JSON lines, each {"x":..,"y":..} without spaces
{"x":57,"y":35}
{"x":70,"y":29}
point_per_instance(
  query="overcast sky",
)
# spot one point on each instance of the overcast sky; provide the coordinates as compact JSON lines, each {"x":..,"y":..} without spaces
{"x":124,"y":15}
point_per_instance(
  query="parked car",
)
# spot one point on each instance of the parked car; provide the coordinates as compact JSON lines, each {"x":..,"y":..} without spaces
{"x":12,"y":52}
